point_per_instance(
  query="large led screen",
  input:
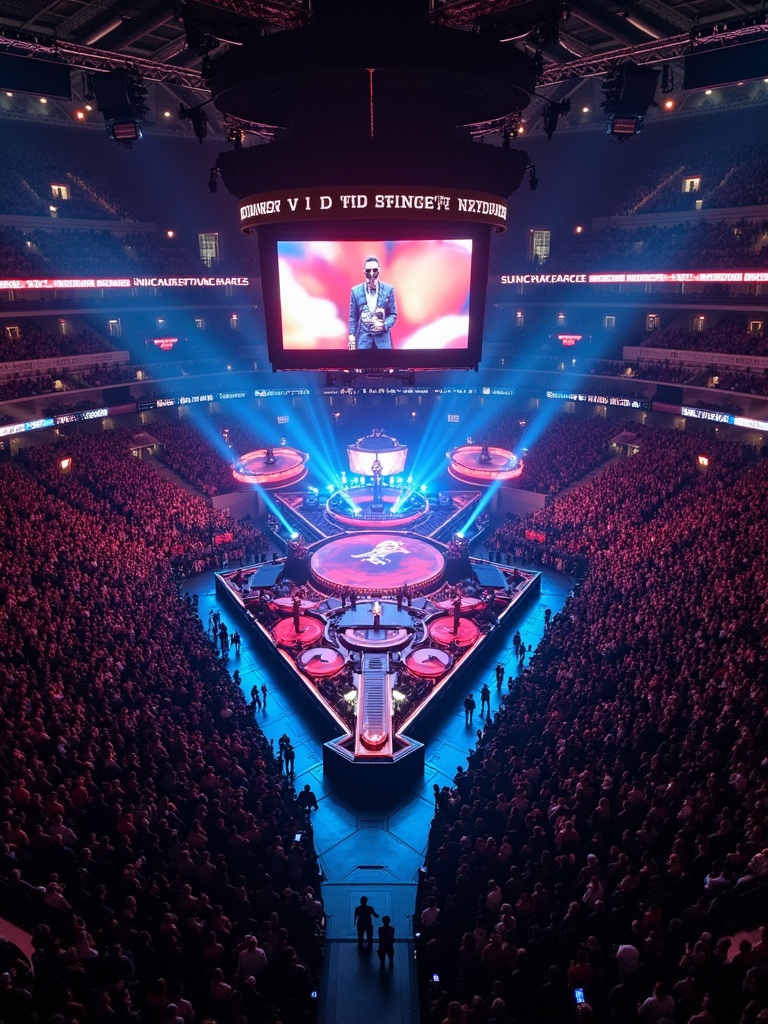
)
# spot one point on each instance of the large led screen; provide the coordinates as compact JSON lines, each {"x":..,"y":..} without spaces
{"x":374,"y":297}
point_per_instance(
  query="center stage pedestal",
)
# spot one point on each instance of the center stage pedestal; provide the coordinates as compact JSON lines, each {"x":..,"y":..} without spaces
{"x":378,"y":564}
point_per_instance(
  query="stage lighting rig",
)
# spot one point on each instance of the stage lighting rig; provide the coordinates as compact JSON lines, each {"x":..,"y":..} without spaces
{"x":121,"y":97}
{"x":629,"y":91}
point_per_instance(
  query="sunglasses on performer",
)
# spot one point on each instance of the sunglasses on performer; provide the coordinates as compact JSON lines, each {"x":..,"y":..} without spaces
{"x":371,"y":273}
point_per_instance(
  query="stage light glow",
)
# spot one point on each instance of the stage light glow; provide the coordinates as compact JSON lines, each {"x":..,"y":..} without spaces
{"x":294,"y":535}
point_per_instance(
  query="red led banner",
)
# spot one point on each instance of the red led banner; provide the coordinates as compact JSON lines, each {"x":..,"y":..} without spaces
{"x":48,"y":283}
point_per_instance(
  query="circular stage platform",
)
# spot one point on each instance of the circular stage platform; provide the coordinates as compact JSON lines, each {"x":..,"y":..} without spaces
{"x":410,"y":510}
{"x":320,"y":662}
{"x":428,"y":662}
{"x":441,"y":632}
{"x":285,"y":604}
{"x":271,"y":467}
{"x":310,"y":631}
{"x":483,"y":464}
{"x":377,"y":564}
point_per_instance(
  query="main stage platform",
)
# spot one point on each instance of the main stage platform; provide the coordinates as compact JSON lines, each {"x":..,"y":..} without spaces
{"x":371,"y":630}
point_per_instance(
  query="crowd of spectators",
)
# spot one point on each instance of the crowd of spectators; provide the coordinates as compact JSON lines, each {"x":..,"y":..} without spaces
{"x":728,"y":177}
{"x":564,"y":451}
{"x":610,"y":833}
{"x":709,"y":244}
{"x":747,"y":382}
{"x":83,"y":252}
{"x":729,"y":336}
{"x":35,"y":342}
{"x":656,"y":370}
{"x":107,"y":480}
{"x":204,"y":463}
{"x":143,"y":820}
{"x":34,"y":180}
{"x":18,"y":386}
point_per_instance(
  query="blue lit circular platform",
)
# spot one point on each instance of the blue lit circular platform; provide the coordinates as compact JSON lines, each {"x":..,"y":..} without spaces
{"x":392,"y":508}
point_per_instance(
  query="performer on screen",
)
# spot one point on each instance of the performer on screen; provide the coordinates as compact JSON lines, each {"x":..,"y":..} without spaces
{"x":372,"y":310}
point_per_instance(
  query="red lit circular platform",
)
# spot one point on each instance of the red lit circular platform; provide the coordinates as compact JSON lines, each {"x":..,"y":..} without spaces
{"x":310,"y":631}
{"x":377,"y":563}
{"x":320,"y":662}
{"x":468,"y":604}
{"x":441,"y":631}
{"x":285,"y":604}
{"x":483,"y":464}
{"x":353,"y":507}
{"x":271,"y":467}
{"x":428,"y":662}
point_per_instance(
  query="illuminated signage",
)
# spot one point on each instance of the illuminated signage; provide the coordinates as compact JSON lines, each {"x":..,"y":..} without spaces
{"x":165,"y":344}
{"x":165,"y":403}
{"x":280,"y":392}
{"x":193,"y":399}
{"x":223,"y":395}
{"x":615,"y":401}
{"x":710,"y":415}
{"x":36,"y":283}
{"x":337,"y":203}
{"x":642,"y":277}
{"x":544,"y":279}
{"x":21,"y":428}
{"x":569,"y":339}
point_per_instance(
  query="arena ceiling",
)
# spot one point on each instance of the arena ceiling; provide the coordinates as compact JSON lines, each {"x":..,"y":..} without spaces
{"x":579,"y":41}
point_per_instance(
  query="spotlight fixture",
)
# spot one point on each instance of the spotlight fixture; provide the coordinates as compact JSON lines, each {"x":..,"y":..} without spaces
{"x":235,"y":136}
{"x":551,"y":114}
{"x":629,"y":91}
{"x":121,"y":97}
{"x":196,"y":117}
